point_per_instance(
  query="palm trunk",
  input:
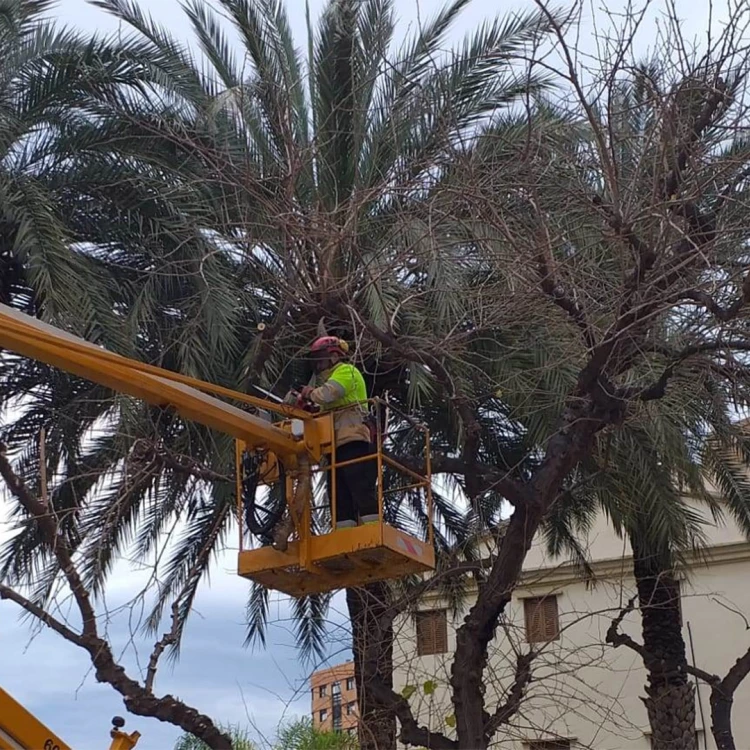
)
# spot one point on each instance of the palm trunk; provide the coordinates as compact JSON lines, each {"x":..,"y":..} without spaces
{"x":373,"y":660}
{"x":670,"y":697}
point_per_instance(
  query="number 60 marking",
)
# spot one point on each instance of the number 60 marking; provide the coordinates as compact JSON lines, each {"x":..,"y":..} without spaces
{"x":50,"y":745}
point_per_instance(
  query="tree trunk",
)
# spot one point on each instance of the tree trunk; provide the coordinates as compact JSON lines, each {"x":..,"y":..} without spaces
{"x":373,"y":660}
{"x":564,"y":449}
{"x":470,"y":661}
{"x":670,"y":696}
{"x":721,"y":719}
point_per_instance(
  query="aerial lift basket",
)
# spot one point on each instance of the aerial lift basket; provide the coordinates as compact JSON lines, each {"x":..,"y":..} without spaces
{"x":319,"y":556}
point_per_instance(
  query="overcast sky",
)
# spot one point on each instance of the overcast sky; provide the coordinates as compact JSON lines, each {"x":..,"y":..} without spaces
{"x":214,"y":673}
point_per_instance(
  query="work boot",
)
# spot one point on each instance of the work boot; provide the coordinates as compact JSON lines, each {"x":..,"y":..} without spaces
{"x":281,"y":534}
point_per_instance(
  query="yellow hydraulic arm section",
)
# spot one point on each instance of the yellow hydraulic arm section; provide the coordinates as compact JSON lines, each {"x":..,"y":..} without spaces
{"x":300,"y":440}
{"x":32,"y":338}
{"x":21,"y":730}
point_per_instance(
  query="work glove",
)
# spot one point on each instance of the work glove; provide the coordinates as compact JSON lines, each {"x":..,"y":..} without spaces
{"x":303,"y":399}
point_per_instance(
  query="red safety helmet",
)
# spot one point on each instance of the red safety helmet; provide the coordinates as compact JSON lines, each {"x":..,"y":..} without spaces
{"x":329,"y":345}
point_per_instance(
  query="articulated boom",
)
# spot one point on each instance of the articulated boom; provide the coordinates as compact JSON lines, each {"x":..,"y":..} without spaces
{"x":299,"y":443}
{"x":32,"y":338}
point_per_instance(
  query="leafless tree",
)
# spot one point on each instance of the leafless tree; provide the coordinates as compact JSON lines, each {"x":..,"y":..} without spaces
{"x":608,"y":228}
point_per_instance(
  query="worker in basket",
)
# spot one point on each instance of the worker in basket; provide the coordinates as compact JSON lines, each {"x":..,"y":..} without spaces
{"x":341,"y":388}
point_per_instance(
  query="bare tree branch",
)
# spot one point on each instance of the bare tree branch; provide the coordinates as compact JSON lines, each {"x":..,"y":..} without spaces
{"x":168,"y":639}
{"x":42,"y":615}
{"x":724,"y":314}
{"x":411,"y":732}
{"x":55,"y":541}
{"x":737,"y":673}
{"x":138,"y":699}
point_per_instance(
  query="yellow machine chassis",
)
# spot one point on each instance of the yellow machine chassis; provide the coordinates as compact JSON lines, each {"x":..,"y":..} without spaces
{"x":21,"y":730}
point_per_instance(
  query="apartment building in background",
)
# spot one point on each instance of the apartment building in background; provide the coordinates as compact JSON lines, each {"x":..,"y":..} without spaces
{"x":585,"y":694}
{"x":334,"y":699}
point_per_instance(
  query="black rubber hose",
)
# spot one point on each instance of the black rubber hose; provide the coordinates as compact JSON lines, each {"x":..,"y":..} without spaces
{"x":261,"y":527}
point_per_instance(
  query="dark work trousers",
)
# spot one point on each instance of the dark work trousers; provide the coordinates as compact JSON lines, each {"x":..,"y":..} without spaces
{"x":356,"y":484}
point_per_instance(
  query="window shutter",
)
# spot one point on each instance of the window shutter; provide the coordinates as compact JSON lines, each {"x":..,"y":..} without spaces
{"x":551,"y":624}
{"x":432,"y":632}
{"x":541,"y":619}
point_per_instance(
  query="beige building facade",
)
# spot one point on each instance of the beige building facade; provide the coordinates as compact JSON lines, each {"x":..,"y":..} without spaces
{"x":584,"y":693}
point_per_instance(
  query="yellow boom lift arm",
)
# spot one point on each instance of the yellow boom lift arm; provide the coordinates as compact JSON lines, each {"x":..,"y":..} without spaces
{"x":301,"y":442}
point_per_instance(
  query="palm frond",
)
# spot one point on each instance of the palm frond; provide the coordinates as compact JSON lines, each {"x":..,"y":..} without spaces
{"x":310,"y":621}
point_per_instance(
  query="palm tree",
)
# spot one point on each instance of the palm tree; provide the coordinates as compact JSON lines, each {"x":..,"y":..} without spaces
{"x":53,"y":78}
{"x":638,"y":479}
{"x":264,"y":193}
{"x":68,"y":211}
{"x":54,"y":208}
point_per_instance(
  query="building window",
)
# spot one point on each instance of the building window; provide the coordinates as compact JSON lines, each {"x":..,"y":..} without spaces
{"x":549,"y":745}
{"x":351,"y":708}
{"x":542,"y":622}
{"x":322,"y":691}
{"x":336,"y":688}
{"x":323,"y":715}
{"x":352,"y":731}
{"x":432,"y":632}
{"x":350,"y":683}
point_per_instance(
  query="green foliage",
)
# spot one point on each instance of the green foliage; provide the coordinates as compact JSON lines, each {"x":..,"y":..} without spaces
{"x":296,"y":735}
{"x":203,"y":212}
{"x":429,"y":687}
{"x":408,"y":690}
{"x":240,"y":740}
{"x":301,"y":735}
